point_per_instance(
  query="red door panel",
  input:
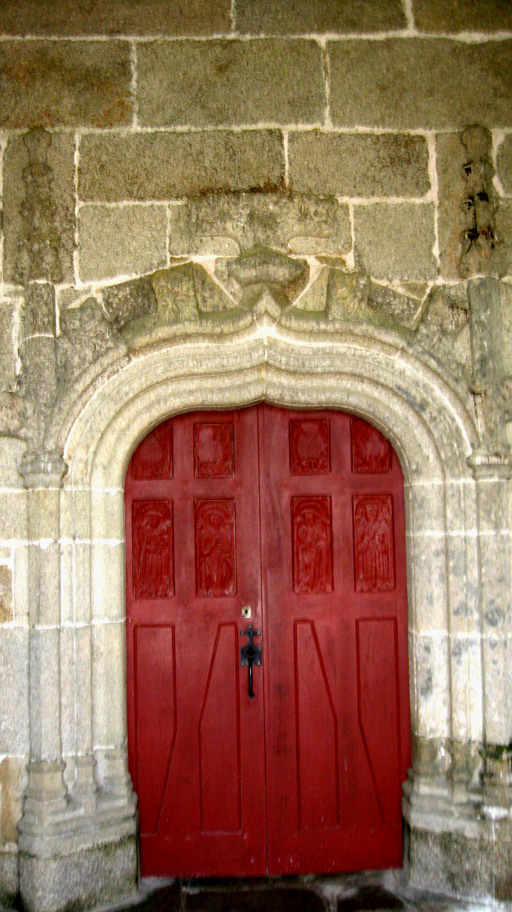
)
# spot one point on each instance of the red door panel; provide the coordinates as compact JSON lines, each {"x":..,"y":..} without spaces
{"x":300,"y":516}
{"x":192,"y":521}
{"x":337,"y":712}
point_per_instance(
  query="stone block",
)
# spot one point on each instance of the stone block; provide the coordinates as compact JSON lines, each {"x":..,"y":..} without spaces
{"x":6,"y":603}
{"x":39,"y":210}
{"x":109,"y":670}
{"x":44,"y":680}
{"x":11,"y":453}
{"x":466,"y":688}
{"x":452,"y":863}
{"x":124,"y":17}
{"x":13,"y":510}
{"x":7,"y":349}
{"x":107,"y":508}
{"x":502,"y":257}
{"x":39,"y":309}
{"x":454,"y":16}
{"x":65,"y":83}
{"x":265,"y":17}
{"x":395,"y":241}
{"x":121,"y":241}
{"x":504,"y":161}
{"x":497,"y":679}
{"x":156,"y":166}
{"x":14,"y":724}
{"x":418,"y":83}
{"x":218,"y":83}
{"x":102,"y":875}
{"x":12,"y":784}
{"x":430,"y":582}
{"x":82,"y":675}
{"x":21,"y":584}
{"x":44,"y":583}
{"x":432,"y":693}
{"x":108,"y":576}
{"x":358,"y":165}
{"x":82,"y":583}
{"x":9,"y":879}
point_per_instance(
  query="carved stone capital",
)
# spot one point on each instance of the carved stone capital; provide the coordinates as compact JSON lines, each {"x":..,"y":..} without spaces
{"x":489,"y":464}
{"x":43,"y":469}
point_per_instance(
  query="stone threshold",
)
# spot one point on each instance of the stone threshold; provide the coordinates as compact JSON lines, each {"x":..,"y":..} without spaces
{"x":381,"y":891}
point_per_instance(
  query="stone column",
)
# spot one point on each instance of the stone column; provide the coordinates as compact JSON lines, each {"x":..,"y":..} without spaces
{"x":46,"y":802}
{"x":492,"y":474}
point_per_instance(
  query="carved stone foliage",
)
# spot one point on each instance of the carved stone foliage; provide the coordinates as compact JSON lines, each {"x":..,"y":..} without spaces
{"x":235,"y":223}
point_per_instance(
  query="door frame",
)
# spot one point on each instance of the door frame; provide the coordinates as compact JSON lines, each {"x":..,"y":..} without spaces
{"x":104,"y":417}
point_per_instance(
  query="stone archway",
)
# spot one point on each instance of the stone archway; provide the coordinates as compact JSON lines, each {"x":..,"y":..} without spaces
{"x":79,"y":809}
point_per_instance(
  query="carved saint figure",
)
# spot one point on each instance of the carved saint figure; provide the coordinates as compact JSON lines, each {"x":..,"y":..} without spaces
{"x":312,"y":545}
{"x":215,"y":548}
{"x":374,"y":555}
{"x":152,"y":549}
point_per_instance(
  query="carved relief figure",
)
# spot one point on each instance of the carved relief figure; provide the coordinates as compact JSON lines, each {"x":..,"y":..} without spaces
{"x":213,"y":451}
{"x":371,"y":452}
{"x":153,"y":559}
{"x":153,"y":458}
{"x":312,"y":544}
{"x":215,"y":547}
{"x":373,"y":543}
{"x":309,"y":447}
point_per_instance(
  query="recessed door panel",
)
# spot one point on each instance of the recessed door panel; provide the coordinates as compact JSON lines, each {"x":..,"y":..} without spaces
{"x":298,"y":515}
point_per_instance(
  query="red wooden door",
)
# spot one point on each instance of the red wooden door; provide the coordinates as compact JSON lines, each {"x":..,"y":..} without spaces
{"x":300,"y":516}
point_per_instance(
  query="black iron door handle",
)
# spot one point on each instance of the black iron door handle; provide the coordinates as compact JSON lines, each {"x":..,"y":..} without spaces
{"x":250,"y":654}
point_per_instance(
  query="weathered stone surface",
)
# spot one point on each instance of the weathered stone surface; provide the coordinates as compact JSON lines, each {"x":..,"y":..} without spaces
{"x":129,"y":301}
{"x":124,"y":17}
{"x":39,"y":207}
{"x":9,"y":879}
{"x":86,"y":335}
{"x":12,"y":781}
{"x":454,"y":16}
{"x":172,"y":165}
{"x":16,"y":414}
{"x":505,"y":162}
{"x":395,"y":241}
{"x":183,"y":294}
{"x":230,"y":82}
{"x":39,"y":309}
{"x":14,"y":734}
{"x":358,"y":165}
{"x":468,"y":211}
{"x":460,"y":865}
{"x":64,"y":83}
{"x":124,"y":241}
{"x":502,"y":255}
{"x":236,"y":222}
{"x":6,"y":607}
{"x":444,"y":329}
{"x":102,"y":874}
{"x":304,"y":16}
{"x":416,"y":82}
{"x":7,"y":352}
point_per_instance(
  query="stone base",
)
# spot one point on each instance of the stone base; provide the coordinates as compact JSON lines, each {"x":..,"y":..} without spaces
{"x":90,"y":877}
{"x":458,"y":865}
{"x":9,"y":879}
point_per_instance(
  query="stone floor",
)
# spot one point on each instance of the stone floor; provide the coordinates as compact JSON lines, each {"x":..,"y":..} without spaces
{"x":380,"y":892}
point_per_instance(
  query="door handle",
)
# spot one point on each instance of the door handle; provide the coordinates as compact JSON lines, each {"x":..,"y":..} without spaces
{"x":250,"y":654}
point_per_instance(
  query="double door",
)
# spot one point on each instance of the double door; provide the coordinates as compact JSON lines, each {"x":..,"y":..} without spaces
{"x":292,"y":522}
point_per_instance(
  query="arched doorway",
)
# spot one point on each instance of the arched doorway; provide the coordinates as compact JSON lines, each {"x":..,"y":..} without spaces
{"x":293,"y":522}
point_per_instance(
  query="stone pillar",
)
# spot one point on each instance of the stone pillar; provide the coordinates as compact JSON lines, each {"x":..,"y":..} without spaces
{"x":71,"y":853}
{"x":46,"y":801}
{"x":492,"y":474}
